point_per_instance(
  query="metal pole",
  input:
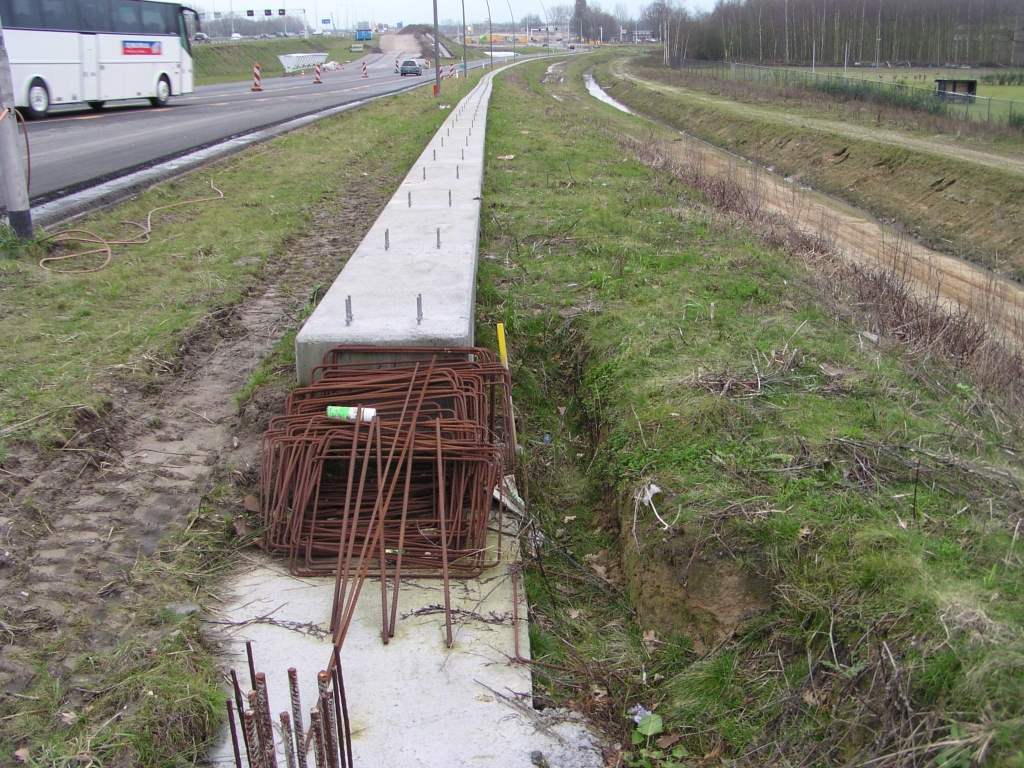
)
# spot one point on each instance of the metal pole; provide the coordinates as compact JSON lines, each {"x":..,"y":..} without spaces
{"x":15,"y":189}
{"x":490,"y":30}
{"x":513,"y":29}
{"x":465,"y":70}
{"x":437,"y":56}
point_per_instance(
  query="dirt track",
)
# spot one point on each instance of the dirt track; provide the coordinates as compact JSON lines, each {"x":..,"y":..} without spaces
{"x":80,"y":527}
{"x":958,"y":284}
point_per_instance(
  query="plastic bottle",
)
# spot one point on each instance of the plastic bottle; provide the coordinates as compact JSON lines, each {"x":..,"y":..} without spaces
{"x":345,"y":413}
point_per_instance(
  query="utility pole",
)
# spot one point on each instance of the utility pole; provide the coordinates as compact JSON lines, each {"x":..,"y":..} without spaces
{"x":15,"y":189}
{"x":490,"y":30}
{"x":465,"y":68}
{"x":514,"y":34}
{"x":437,"y":55}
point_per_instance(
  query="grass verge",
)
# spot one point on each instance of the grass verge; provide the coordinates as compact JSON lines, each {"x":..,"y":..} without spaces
{"x":232,"y":62}
{"x":786,"y":543}
{"x":952,"y":203}
{"x":117,"y":677}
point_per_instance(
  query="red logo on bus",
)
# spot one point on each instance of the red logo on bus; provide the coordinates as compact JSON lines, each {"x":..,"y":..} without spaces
{"x":141,"y":47}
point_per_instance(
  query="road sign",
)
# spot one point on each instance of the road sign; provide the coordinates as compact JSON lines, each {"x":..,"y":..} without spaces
{"x":325,"y":22}
{"x":280,"y":12}
{"x":250,"y":13}
{"x":267,"y":12}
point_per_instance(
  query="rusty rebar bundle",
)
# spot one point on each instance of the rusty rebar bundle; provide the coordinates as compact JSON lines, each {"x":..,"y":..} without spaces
{"x":329,"y":736}
{"x":404,"y":489}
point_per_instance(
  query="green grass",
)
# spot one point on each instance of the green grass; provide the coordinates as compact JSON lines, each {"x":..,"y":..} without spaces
{"x":67,"y":338}
{"x":138,"y":686}
{"x":152,"y":699}
{"x":1006,"y":92}
{"x":232,"y":62}
{"x":892,"y":181}
{"x":864,"y":505}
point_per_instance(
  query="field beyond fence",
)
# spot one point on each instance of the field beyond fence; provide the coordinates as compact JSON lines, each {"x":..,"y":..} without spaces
{"x":986,"y":109}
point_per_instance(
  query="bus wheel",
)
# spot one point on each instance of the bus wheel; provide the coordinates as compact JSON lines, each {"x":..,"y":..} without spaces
{"x":163,"y":93}
{"x":96,"y":105}
{"x":38,"y":99}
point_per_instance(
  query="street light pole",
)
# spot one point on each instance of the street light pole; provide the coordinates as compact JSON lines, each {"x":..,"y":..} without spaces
{"x":513,"y":29}
{"x":437,"y":56}
{"x":465,"y":71}
{"x":465,"y":68}
{"x":490,"y":30}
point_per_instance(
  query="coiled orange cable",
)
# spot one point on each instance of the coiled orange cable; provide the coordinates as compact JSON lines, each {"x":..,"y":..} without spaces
{"x":85,"y":236}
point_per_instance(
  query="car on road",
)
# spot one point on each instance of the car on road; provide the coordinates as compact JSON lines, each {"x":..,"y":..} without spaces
{"x":236,"y":35}
{"x":410,"y":67}
{"x":200,"y":37}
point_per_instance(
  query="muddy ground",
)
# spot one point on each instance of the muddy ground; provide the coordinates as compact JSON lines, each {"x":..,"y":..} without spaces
{"x":76,"y":525}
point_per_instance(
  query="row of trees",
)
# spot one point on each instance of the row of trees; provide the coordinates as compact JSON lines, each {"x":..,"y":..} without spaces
{"x":922,"y":32}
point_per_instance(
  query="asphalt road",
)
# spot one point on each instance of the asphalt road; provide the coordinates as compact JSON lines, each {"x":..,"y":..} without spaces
{"x":74,"y":148}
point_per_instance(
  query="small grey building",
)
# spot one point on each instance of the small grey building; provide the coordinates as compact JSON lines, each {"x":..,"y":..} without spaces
{"x":957,"y":91}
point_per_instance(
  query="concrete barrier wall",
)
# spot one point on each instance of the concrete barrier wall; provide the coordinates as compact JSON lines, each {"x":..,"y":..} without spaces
{"x":412,"y":280}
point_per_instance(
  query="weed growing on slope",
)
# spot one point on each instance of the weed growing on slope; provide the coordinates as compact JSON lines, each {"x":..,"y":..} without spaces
{"x":747,"y":519}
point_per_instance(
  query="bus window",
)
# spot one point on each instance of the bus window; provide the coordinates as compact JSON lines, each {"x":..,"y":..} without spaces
{"x":59,"y":14}
{"x":154,"y":21}
{"x":125,"y":15}
{"x":95,"y":15}
{"x":23,"y":14}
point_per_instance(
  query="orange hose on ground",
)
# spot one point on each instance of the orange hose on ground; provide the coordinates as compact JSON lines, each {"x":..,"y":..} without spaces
{"x":104,"y":245}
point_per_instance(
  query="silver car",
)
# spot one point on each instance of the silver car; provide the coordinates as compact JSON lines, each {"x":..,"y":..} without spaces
{"x":410,"y":67}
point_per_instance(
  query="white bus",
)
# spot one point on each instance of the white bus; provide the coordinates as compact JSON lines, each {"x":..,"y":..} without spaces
{"x":94,"y":51}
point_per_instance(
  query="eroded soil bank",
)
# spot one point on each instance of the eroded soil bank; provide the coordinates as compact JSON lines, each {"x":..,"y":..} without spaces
{"x":966,"y":200}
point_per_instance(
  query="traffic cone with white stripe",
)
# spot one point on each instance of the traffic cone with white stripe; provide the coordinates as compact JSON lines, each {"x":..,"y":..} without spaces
{"x":316,"y":77}
{"x":365,"y":74}
{"x":256,"y":76}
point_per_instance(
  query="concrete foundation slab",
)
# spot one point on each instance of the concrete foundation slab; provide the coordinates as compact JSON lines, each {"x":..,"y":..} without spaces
{"x":413,"y":703}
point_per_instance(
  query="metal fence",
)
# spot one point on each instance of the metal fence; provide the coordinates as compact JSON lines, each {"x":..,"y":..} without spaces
{"x":978,"y":108}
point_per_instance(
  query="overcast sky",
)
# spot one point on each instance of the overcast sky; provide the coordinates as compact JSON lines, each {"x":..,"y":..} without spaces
{"x":417,"y":11}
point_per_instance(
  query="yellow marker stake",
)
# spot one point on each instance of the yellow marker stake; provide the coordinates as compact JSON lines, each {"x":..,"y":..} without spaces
{"x":502,"y":353}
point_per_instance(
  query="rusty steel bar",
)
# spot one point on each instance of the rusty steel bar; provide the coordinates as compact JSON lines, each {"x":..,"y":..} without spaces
{"x":300,"y":738}
{"x":241,"y":709}
{"x":252,"y":665}
{"x":316,"y":731}
{"x":234,"y":733}
{"x":410,"y":494}
{"x":339,"y":689}
{"x":286,"y":738}
{"x":326,"y":721}
{"x":264,"y":722}
{"x":255,"y":756}
{"x":444,"y":540}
